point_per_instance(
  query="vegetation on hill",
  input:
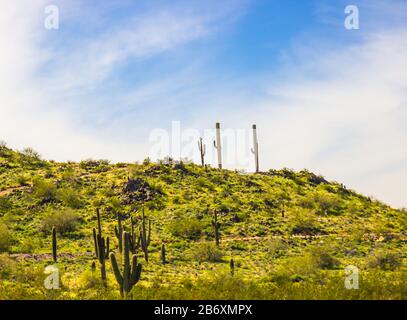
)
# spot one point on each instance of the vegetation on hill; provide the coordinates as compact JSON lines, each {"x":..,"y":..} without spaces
{"x":290,"y":234}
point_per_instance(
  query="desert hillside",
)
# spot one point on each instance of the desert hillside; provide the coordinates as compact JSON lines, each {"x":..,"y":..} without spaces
{"x":281,"y":234}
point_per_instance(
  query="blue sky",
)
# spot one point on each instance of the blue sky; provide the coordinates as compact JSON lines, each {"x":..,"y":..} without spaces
{"x":325,"y":98}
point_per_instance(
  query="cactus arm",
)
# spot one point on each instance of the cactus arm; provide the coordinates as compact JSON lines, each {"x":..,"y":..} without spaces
{"x":149,"y":232}
{"x":99,"y":223}
{"x":116,"y":271}
{"x":126,"y":264}
{"x":107,"y":248}
{"x":135,"y":271}
{"x":95,"y":243}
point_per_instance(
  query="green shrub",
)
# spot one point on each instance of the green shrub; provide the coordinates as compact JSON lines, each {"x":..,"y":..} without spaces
{"x":328,"y":203}
{"x":64,"y":221}
{"x":44,"y":190}
{"x":384,"y":260}
{"x":186,"y":227}
{"x":5,"y":204}
{"x":303,"y":222}
{"x":22,"y":180}
{"x":323,"y":257}
{"x":70,"y":198}
{"x":294,"y":269}
{"x":30,"y":154}
{"x":206,"y":251}
{"x":7,"y":266}
{"x":29,"y":245}
{"x":5,"y":238}
{"x":89,"y":280}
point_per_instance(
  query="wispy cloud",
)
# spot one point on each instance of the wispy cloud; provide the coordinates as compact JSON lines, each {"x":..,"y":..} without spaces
{"x":55,"y":85}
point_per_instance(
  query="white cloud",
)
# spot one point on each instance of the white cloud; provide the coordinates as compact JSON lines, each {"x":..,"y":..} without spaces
{"x":350,"y":125}
{"x":44,"y":85}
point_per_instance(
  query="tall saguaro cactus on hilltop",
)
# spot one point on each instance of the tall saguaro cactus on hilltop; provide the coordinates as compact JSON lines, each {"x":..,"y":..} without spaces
{"x":101,"y":247}
{"x":218,"y":146}
{"x":131,"y":272}
{"x":255,"y":149}
{"x":202,"y":151}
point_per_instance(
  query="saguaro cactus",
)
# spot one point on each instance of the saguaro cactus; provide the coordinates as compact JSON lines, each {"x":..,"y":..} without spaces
{"x":131,"y":272}
{"x":118,"y":231}
{"x":255,"y":149}
{"x":145,"y":236}
{"x":54,"y":244}
{"x":134,"y":240}
{"x":101,"y":247}
{"x":232,"y":267}
{"x":216,"y":226}
{"x":202,"y":151}
{"x":218,"y":146}
{"x":163,"y":254}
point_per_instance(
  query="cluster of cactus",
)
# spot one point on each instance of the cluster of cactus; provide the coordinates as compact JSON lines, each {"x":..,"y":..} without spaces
{"x":54,"y":244}
{"x":216,"y":226}
{"x":202,"y":151}
{"x":131,"y":271}
{"x":101,"y":247}
{"x":128,"y":243}
{"x":135,"y":241}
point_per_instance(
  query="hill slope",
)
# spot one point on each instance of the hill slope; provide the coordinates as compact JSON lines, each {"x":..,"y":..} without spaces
{"x":290,"y":234}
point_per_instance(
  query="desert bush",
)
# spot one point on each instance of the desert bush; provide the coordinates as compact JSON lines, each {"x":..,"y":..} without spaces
{"x":44,"y":190}
{"x":89,"y":280}
{"x":98,"y":166}
{"x":186,"y":227}
{"x":323,"y":258}
{"x":206,"y":251}
{"x":5,"y":204}
{"x":328,"y":203}
{"x":7,"y":266}
{"x":5,"y":238}
{"x":303,"y":222}
{"x":294,"y":269}
{"x":29,"y":245}
{"x":70,"y":198}
{"x":22,"y":180}
{"x":30,"y":154}
{"x":64,"y":221}
{"x":385,"y":260}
